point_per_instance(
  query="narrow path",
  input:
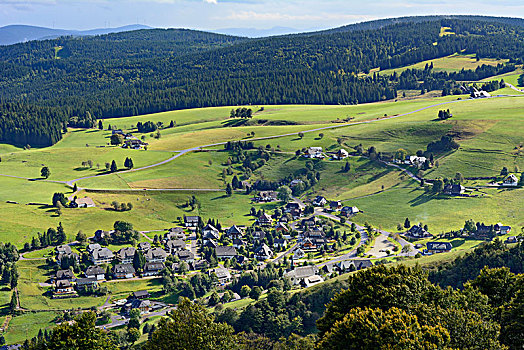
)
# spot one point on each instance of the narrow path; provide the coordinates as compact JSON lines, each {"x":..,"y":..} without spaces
{"x":514,"y":88}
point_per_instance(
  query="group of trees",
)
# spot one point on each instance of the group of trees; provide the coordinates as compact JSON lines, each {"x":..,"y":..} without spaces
{"x":121,"y":206}
{"x":8,"y":258}
{"x":445,"y":144}
{"x":50,"y":238}
{"x":242,"y":112}
{"x":444,"y":114}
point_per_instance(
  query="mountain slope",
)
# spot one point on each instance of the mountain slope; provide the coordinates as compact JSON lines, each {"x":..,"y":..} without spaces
{"x":14,"y":34}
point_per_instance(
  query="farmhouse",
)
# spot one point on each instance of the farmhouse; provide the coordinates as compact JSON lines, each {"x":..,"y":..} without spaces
{"x":348,"y":211}
{"x":134,"y":144}
{"x":502,"y":229}
{"x":63,"y":288}
{"x":65,"y":275}
{"x":265,"y":197}
{"x":341,"y":154}
{"x":140,"y":295}
{"x":143,"y":305}
{"x":335,"y":205}
{"x":85,"y":202}
{"x":234,"y":232}
{"x":417,"y":231}
{"x":83,"y":283}
{"x":416,"y":161}
{"x":210,"y":232}
{"x":510,"y":181}
{"x":439,"y":247}
{"x":314,"y":152}
{"x":92,"y":247}
{"x":454,"y":190}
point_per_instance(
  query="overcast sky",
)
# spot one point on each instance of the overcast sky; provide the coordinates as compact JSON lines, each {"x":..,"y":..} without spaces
{"x":217,"y":14}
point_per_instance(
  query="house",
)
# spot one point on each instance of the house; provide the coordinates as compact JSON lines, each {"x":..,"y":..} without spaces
{"x":417,"y":231}
{"x":238,"y":243}
{"x":281,"y":227}
{"x":454,"y":190}
{"x":319,"y":201}
{"x":265,"y":197}
{"x":85,"y":202}
{"x":502,"y":229}
{"x":117,"y":132}
{"x":510,"y":181}
{"x":341,"y":154}
{"x":312,"y":280}
{"x":335,"y":205}
{"x":102,"y":256}
{"x":64,"y":249}
{"x":308,"y":244}
{"x":173,"y":246}
{"x":63,"y":288}
{"x":514,"y":239}
{"x":292,"y":206}
{"x":136,"y":304}
{"x":174,"y":233}
{"x":186,"y":256}
{"x":298,"y":275}
{"x":265,"y":220}
{"x":95,"y":272}
{"x":363,"y":264}
{"x":416,"y":161}
{"x":134,"y":144}
{"x":225,"y":252}
{"x":126,"y":255}
{"x":314,"y":152}
{"x":140,"y":295}
{"x":144,"y":246}
{"x":259,"y":234}
{"x":480,"y":94}
{"x":279,"y":243}
{"x":210,"y":232}
{"x":83,"y":283}
{"x":65,"y":275}
{"x":192,"y":221}
{"x":234,"y":232}
{"x":349,"y":211}
{"x":298,"y":254}
{"x":439,"y":247}
{"x":263,"y":252}
{"x":155,"y":255}
{"x":295,"y":182}
{"x":222,"y":274}
{"x":153,"y":269}
{"x":310,"y":222}
{"x":92,"y":247}
{"x":68,"y":256}
{"x":211,"y":243}
{"x":123,"y":271}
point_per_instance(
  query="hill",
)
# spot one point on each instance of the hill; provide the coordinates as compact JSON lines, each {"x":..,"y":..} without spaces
{"x":149,"y":71}
{"x":14,"y":34}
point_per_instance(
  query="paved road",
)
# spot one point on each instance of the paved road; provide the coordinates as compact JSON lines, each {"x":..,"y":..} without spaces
{"x":514,"y":88}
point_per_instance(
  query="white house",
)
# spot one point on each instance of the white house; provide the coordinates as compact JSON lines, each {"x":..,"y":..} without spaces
{"x":510,"y":181}
{"x":341,"y":154}
{"x":416,"y":161}
{"x":314,"y":152}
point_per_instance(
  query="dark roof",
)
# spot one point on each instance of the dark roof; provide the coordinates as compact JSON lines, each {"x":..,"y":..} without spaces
{"x":439,"y":246}
{"x":126,"y":253}
{"x":64,"y":274}
{"x":185,"y":255}
{"x":157,"y":266}
{"x":94,"y":270}
{"x":234,"y":230}
{"x":225,"y":251}
{"x":64,"y":249}
{"x":140,"y":294}
{"x":123,"y":268}
{"x":155,"y":253}
{"x":144,"y":245}
{"x":175,"y":244}
{"x":82,"y":281}
{"x":102,"y":253}
{"x":63,"y":284}
{"x":192,"y":219}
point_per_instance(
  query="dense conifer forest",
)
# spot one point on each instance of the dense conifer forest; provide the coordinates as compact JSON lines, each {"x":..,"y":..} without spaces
{"x":45,"y":84}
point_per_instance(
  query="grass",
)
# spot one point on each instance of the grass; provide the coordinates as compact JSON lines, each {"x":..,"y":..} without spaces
{"x":452,"y":63}
{"x":28,"y":325}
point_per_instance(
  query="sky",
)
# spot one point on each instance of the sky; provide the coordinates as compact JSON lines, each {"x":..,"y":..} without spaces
{"x":218,"y":14}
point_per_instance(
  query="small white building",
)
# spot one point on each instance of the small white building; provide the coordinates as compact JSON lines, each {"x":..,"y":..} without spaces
{"x":341,"y":154}
{"x":314,"y":152}
{"x":510,"y":181}
{"x":416,"y":161}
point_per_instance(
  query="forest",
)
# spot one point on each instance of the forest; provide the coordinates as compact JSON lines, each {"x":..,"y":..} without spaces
{"x":125,"y":74}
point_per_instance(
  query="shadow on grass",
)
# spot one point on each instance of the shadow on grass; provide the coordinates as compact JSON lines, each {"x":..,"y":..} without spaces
{"x":421,"y":199}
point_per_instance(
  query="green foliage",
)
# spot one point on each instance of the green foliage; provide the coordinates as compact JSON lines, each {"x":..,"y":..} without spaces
{"x":45,"y":172}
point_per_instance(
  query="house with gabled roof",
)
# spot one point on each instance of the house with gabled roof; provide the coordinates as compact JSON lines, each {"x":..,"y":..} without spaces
{"x":65,"y":275}
{"x":121,"y":271}
{"x":298,"y":275}
{"x":234,"y":232}
{"x":102,"y":256}
{"x":349,"y":211}
{"x":226,"y":252}
{"x":143,"y":246}
{"x":341,"y":154}
{"x":155,"y":255}
{"x":126,"y":255}
{"x":95,"y":272}
{"x":265,"y":220}
{"x":417,"y":231}
{"x":186,"y":256}
{"x":173,"y":246}
{"x":223,"y":275}
{"x":192,"y":222}
{"x":153,"y":269}
{"x":439,"y":247}
{"x":454,"y":189}
{"x":263,"y":252}
{"x":210,"y":232}
{"x":510,"y":181}
{"x":319,"y":201}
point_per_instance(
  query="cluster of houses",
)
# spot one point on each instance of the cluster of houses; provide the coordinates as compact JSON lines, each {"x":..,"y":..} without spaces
{"x":130,"y":141}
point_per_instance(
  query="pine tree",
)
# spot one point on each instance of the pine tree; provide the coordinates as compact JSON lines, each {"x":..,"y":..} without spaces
{"x":114,"y":168}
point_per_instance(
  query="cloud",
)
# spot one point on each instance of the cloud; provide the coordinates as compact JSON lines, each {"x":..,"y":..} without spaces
{"x":277,"y":16}
{"x":211,"y":1}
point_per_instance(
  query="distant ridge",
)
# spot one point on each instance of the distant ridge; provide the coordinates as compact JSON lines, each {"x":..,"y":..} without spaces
{"x":13,"y":34}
